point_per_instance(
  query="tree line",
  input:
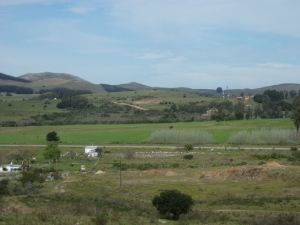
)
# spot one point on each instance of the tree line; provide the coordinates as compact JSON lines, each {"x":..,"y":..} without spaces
{"x":16,"y":89}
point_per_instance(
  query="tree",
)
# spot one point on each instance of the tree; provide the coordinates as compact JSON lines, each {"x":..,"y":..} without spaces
{"x":173,"y":203}
{"x":293,"y":93}
{"x":219,"y":90}
{"x":239,"y":111}
{"x":296,"y":113}
{"x":52,"y":136}
{"x":296,"y":118}
{"x":52,"y":151}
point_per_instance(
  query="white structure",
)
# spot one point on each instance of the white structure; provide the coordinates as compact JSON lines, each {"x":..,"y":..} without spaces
{"x":10,"y":168}
{"x":92,"y":154}
{"x":90,"y":148}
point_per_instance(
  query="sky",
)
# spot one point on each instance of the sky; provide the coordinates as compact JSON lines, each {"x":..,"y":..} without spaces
{"x":200,"y":44}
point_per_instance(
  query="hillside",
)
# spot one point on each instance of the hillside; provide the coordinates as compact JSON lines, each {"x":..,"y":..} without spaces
{"x":38,"y":81}
{"x":135,"y":86}
{"x":8,"y":78}
{"x":52,"y":80}
{"x":47,"y":75}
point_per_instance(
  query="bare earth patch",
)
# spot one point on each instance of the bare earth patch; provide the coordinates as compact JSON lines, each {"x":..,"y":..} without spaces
{"x":167,"y":173}
{"x":100,"y":172}
{"x":148,"y":101}
{"x":240,"y":172}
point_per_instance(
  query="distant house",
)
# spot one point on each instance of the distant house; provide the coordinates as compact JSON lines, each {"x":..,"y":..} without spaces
{"x":10,"y":168}
{"x":90,"y":148}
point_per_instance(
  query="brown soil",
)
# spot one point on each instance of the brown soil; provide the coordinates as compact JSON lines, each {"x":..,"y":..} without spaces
{"x":239,"y":173}
{"x":133,"y":106}
{"x":149,"y":101}
{"x":100,"y":172}
{"x":167,"y":173}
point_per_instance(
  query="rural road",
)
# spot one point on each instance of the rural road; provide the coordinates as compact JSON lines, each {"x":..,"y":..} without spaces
{"x":216,"y":148}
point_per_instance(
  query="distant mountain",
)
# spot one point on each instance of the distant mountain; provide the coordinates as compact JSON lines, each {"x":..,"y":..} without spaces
{"x":48,"y":80}
{"x":114,"y":88}
{"x":46,"y":75}
{"x":12,"y":78}
{"x":135,"y":86}
{"x":280,"y":87}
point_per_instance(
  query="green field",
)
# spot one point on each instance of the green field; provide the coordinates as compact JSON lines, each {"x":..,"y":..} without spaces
{"x":129,"y":133}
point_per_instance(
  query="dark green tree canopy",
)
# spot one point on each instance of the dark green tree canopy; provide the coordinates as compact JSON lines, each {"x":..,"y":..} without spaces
{"x":296,"y":113}
{"x":173,"y":203}
{"x":52,"y":136}
{"x":219,"y":90}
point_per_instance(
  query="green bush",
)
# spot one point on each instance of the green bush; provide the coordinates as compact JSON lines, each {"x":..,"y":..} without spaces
{"x":294,"y":149}
{"x":189,"y":147}
{"x":188,"y":156}
{"x":100,"y":219}
{"x":175,"y":165}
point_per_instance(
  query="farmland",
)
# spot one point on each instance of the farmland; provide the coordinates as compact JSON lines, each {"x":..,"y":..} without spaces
{"x":130,"y":133}
{"x":231,"y":182}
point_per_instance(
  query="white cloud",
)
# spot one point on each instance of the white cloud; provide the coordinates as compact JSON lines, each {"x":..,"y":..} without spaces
{"x":274,"y":65}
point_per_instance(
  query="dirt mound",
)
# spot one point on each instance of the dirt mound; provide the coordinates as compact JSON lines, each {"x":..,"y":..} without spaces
{"x":273,"y":165}
{"x":240,"y":173}
{"x":100,"y":172}
{"x":158,"y":173}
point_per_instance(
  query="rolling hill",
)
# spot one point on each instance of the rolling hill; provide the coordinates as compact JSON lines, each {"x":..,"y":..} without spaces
{"x":50,"y":80}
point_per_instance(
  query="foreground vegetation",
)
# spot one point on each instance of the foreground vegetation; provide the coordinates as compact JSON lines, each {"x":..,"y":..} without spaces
{"x":227,"y":187}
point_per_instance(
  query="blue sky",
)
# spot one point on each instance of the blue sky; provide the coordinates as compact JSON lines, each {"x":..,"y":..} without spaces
{"x":201,"y":44}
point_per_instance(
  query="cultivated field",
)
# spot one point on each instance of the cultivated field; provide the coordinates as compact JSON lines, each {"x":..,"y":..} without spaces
{"x":105,"y":134}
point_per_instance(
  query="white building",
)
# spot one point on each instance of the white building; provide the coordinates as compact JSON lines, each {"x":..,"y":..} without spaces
{"x":92,"y":154}
{"x":10,"y":168}
{"x":90,"y":148}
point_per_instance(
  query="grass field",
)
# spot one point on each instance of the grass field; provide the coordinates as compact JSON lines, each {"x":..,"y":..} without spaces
{"x":129,"y":133}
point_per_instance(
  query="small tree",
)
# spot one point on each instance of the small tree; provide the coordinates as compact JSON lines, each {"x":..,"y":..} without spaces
{"x":52,"y":151}
{"x":31,"y":177}
{"x":189,"y":147}
{"x":99,"y":151}
{"x":173,"y":203}
{"x":296,"y":118}
{"x":52,"y":136}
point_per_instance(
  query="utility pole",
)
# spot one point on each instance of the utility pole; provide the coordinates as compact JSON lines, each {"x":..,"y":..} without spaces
{"x":120,"y":171}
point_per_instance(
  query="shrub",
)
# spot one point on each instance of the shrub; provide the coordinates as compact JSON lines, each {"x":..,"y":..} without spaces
{"x":188,"y":156}
{"x":294,"y":149}
{"x":100,"y":219}
{"x":3,"y":187}
{"x":189,"y":147}
{"x":175,"y":165}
